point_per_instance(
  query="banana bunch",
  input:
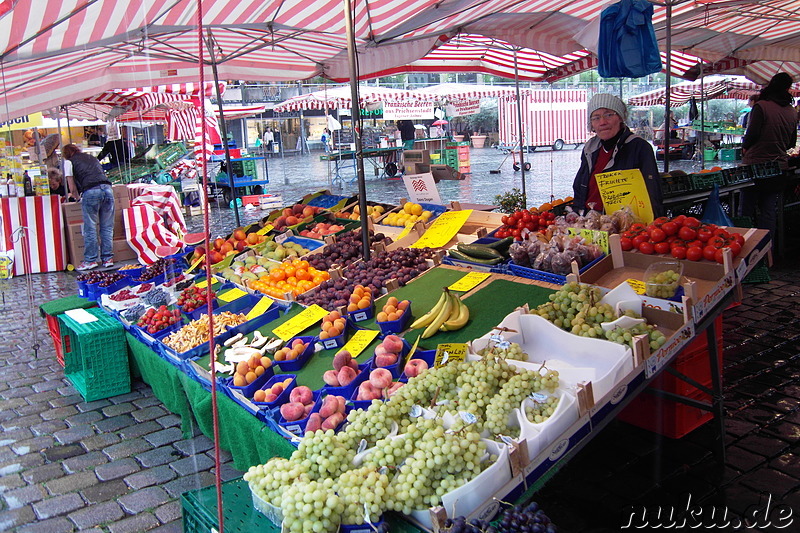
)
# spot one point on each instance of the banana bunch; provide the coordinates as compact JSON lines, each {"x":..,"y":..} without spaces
{"x":449,"y":314}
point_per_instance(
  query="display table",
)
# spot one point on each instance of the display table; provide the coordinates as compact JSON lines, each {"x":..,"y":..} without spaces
{"x":42,"y":246}
{"x":383,"y":160}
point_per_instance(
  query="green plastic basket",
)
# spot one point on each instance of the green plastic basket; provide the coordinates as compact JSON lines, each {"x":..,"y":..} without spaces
{"x":95,"y":356}
{"x":200,"y":510}
{"x":706,"y":180}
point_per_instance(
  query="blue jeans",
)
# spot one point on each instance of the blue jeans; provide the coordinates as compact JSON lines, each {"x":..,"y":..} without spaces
{"x":98,"y":212}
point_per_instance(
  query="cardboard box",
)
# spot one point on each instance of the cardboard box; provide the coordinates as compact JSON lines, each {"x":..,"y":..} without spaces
{"x":72,"y":212}
{"x":416,"y":156}
{"x":445,"y":172}
{"x":123,"y":251}
{"x":76,"y":246}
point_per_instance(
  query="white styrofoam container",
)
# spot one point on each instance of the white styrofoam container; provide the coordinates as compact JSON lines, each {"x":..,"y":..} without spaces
{"x":540,"y":436}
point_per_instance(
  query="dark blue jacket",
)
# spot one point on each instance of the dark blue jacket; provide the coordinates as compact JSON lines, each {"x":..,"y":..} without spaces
{"x":631,"y":151}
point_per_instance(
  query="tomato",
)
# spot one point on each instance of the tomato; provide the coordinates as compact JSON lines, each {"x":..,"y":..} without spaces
{"x":698,"y":243}
{"x":639,"y":239}
{"x":691,"y":222}
{"x":660,"y":221}
{"x":526,"y":216}
{"x":657,"y":235}
{"x":678,"y":252}
{"x":704,"y":234}
{"x":721,"y":232}
{"x":735,"y":247}
{"x":687,"y":234}
{"x":709,"y":252}
{"x":637,"y":227}
{"x":505,"y":219}
{"x":670,"y":228}
{"x":646,"y":247}
{"x":662,"y":247}
{"x":679,"y":220}
{"x":549,"y":215}
{"x":694,"y":253}
{"x":626,"y":243}
{"x":719,"y":257}
{"x":500,"y":234}
{"x":739,"y":238}
{"x":627,"y":234}
{"x":516,"y":234}
{"x":530,"y":225}
{"x":543,"y":220}
{"x":718,"y":242}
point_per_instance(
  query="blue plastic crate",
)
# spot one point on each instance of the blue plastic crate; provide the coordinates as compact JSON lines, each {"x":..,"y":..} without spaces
{"x":83,"y":289}
{"x":311,"y":244}
{"x":248,"y":390}
{"x":326,"y":201}
{"x":396,"y":326}
{"x":540,"y":275}
{"x":435,"y":209}
{"x":362,"y":315}
{"x":298,"y":426}
{"x":338,"y":341}
{"x":296,"y":364}
{"x":397,"y":368}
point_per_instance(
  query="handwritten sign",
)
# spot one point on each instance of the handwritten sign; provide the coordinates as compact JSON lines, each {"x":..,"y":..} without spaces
{"x":299,"y":323}
{"x":260,"y":308}
{"x":637,"y":285}
{"x":622,"y":188}
{"x":266,"y":229}
{"x":469,"y":281}
{"x":231,"y":295}
{"x":443,"y":229}
{"x":592,"y":236}
{"x":456,"y":351}
{"x":360,"y":340}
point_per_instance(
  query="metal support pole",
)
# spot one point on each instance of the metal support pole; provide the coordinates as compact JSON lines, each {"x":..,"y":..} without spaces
{"x":520,"y":132}
{"x":667,"y":121}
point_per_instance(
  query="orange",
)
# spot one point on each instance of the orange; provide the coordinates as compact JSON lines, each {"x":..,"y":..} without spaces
{"x":277,"y":275}
{"x":289,"y":270}
{"x":291,"y":280}
{"x":303,"y":274}
{"x":303,"y":264}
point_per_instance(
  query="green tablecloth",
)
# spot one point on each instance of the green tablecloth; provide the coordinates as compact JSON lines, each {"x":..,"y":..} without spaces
{"x":58,"y":306}
{"x":249,"y":440}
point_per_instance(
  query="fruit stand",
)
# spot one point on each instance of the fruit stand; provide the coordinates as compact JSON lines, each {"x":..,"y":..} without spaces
{"x":333,"y":367}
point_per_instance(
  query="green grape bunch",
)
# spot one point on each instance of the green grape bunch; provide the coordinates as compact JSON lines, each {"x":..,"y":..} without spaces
{"x":663,"y":284}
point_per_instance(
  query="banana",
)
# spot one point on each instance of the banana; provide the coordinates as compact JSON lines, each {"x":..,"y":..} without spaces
{"x":428,"y":317}
{"x":444,"y":314}
{"x":461,"y":318}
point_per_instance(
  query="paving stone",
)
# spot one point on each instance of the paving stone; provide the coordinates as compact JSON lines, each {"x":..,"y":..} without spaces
{"x":163,"y":437}
{"x":770,"y":481}
{"x":49,"y":427}
{"x":117,"y":469}
{"x":196,"y":481}
{"x":195,"y":445}
{"x":98,"y":442}
{"x":59,"y":413}
{"x":139,"y":430}
{"x":87,"y":418}
{"x":763,"y":444}
{"x":58,"y":505}
{"x":74,"y":434}
{"x":93,"y":406}
{"x":119,"y":409}
{"x":169,"y":421}
{"x":149,"y":413}
{"x":151,"y":476}
{"x":43,"y":473}
{"x":72,"y":482}
{"x":148,"y":401}
{"x":21,"y":462}
{"x":35,"y":444}
{"x":127,"y":448}
{"x":741,"y":459}
{"x":739,"y":427}
{"x":97,"y":514}
{"x":169,"y":511}
{"x":172,"y":527}
{"x":114,"y":424}
{"x":228,"y":472}
{"x":759,"y":415}
{"x":134,"y":524}
{"x":159,"y":456}
{"x":63,"y":401}
{"x":23,"y":496}
{"x":785,"y":431}
{"x":59,"y":453}
{"x":16,"y":517}
{"x":85,"y":461}
{"x":36,"y":409}
{"x":54,"y":525}
{"x":191,"y":465}
{"x":12,"y":481}
{"x":143,"y":499}
{"x":788,"y":463}
{"x":128,"y":397}
{"x":102,"y":492}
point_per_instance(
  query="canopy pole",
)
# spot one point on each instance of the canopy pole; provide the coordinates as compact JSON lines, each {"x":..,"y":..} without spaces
{"x":356,"y":122}
{"x":223,"y":131}
{"x":69,"y":129}
{"x":667,"y":122}
{"x":520,"y":131}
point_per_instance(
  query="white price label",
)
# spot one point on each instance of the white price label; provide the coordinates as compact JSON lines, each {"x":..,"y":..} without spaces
{"x":416,"y":411}
{"x":538,"y":397}
{"x":362,"y":445}
{"x":467,"y":417}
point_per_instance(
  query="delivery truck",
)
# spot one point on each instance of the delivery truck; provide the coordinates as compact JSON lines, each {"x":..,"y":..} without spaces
{"x":550,"y":118}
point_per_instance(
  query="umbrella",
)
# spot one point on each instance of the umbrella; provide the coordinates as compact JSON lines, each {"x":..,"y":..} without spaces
{"x":440,"y":122}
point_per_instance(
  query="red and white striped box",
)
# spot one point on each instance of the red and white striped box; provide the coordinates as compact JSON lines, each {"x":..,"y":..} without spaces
{"x":40,"y":248}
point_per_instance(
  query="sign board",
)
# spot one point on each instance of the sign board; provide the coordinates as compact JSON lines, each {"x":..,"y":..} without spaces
{"x":462,"y":108}
{"x":409,"y":110}
{"x":422,"y":188}
{"x":622,"y":188}
{"x":34,"y":120}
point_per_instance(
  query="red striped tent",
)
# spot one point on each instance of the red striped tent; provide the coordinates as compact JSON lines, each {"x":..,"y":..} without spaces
{"x":709,"y":89}
{"x":340,"y":97}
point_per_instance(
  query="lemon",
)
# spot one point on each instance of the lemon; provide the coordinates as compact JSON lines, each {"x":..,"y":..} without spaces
{"x":426,"y":215}
{"x":416,"y":209}
{"x":408,"y":207}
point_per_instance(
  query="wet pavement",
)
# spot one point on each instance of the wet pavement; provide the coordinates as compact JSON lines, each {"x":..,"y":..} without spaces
{"x":119,"y":465}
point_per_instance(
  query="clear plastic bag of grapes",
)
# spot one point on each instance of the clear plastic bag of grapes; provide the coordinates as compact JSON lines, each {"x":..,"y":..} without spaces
{"x":519,"y":253}
{"x":560,"y":263}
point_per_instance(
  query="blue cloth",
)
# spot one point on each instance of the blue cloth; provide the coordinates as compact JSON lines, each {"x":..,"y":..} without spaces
{"x":98,"y":211}
{"x":627,"y":47}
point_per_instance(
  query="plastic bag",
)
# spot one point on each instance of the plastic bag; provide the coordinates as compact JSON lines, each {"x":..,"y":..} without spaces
{"x":713,"y":212}
{"x":627,"y":46}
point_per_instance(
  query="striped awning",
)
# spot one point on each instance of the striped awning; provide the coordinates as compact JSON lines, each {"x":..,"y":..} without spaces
{"x":340,"y":97}
{"x":709,"y":89}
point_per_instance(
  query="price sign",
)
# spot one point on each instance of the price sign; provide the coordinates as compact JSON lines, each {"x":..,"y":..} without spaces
{"x":405,"y":232}
{"x":266,"y":229}
{"x":443,"y":229}
{"x":622,"y":188}
{"x":456,"y":351}
{"x":202,"y":284}
{"x":469,"y":281}
{"x":280,"y":239}
{"x":359,"y":341}
{"x":231,"y":295}
{"x":637,"y":285}
{"x":194,"y":265}
{"x":260,"y":308}
{"x":299,"y":323}
{"x":592,"y":236}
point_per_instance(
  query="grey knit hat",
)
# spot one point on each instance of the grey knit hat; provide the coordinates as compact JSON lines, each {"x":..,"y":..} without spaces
{"x":606,"y":101}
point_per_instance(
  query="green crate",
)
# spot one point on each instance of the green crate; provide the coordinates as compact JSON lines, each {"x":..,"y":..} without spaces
{"x":170,"y":154}
{"x":766,"y":170}
{"x":95,"y":356}
{"x":673,"y":185}
{"x":738,"y":174}
{"x":706,"y":180}
{"x":728,"y":154}
{"x":709,"y":154}
{"x":200,"y":510}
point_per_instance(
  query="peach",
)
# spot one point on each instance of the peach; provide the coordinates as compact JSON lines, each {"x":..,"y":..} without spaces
{"x":393,"y":343}
{"x":345,"y":376}
{"x":292,"y":411}
{"x":314,"y":423}
{"x":381,"y":350}
{"x":415,"y":367}
{"x":342,"y":403}
{"x":354,"y":365}
{"x":302,"y":394}
{"x":394,"y":388}
{"x":386,"y":360}
{"x":330,"y":378}
{"x":297,"y":209}
{"x":270,"y":397}
{"x":239,"y":381}
{"x":330,"y":405}
{"x":367,"y":392}
{"x":242,"y":368}
{"x":333,"y":421}
{"x":341,"y":359}
{"x":380,"y":378}
{"x":259,"y":395}
{"x":277,"y":389}
{"x":298,"y":342}
{"x":307,"y":410}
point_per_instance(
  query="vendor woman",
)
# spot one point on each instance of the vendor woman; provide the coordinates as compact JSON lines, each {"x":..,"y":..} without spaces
{"x":614,"y":147}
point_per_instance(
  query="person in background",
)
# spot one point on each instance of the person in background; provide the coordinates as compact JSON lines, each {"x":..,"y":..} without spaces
{"x":94,"y":138}
{"x":118,"y":152}
{"x":746,"y":111}
{"x":268,"y":139}
{"x":614,"y":147}
{"x":407,"y":133}
{"x":771,"y":131}
{"x":326,"y":140}
{"x":86,"y":179}
{"x":56,"y":180}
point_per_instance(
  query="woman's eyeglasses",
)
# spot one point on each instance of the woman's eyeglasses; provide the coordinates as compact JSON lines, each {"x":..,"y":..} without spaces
{"x":607,"y":116}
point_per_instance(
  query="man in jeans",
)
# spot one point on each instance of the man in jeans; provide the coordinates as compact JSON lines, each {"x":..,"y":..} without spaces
{"x":85,"y":178}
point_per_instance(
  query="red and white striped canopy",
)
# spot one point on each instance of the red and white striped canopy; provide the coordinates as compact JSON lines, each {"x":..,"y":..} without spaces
{"x":710,"y":88}
{"x":340,"y":97}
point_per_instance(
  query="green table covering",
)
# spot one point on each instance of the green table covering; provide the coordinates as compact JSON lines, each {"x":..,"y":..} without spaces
{"x":58,"y":306}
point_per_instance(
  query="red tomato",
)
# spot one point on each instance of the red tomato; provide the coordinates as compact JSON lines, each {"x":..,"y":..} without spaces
{"x":657,"y":235}
{"x":691,"y":222}
{"x":639,"y":239}
{"x":718,"y":257}
{"x":516,"y":233}
{"x":739,"y":238}
{"x":670,"y":228}
{"x":694,"y":253}
{"x":679,"y":220}
{"x":718,"y":242}
{"x":626,"y":243}
{"x":646,"y":247}
{"x":550,"y":215}
{"x":660,"y":221}
{"x":637,"y":227}
{"x":698,"y":243}
{"x":505,"y":219}
{"x":709,"y":252}
{"x":704,"y":234}
{"x":687,"y":234}
{"x":679,"y":252}
{"x":526,"y":216}
{"x":543,"y":221}
{"x":530,"y":225}
{"x":627,"y":234}
{"x":736,"y":249}
{"x":721,"y":232}
{"x":662,"y":247}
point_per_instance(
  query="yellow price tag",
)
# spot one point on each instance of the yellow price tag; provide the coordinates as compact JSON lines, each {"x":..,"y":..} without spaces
{"x":443,"y":229}
{"x":469,"y":281}
{"x":451,"y":351}
{"x":202,"y":284}
{"x":622,"y":188}
{"x":266,"y":229}
{"x":260,"y":308}
{"x":299,"y":323}
{"x":194,"y":265}
{"x":592,"y":236}
{"x":406,"y":231}
{"x":359,"y":341}
{"x":637,"y":285}
{"x":231,"y":295}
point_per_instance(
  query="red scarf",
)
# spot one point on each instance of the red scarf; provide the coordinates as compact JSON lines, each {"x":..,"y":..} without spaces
{"x":593,"y":196}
